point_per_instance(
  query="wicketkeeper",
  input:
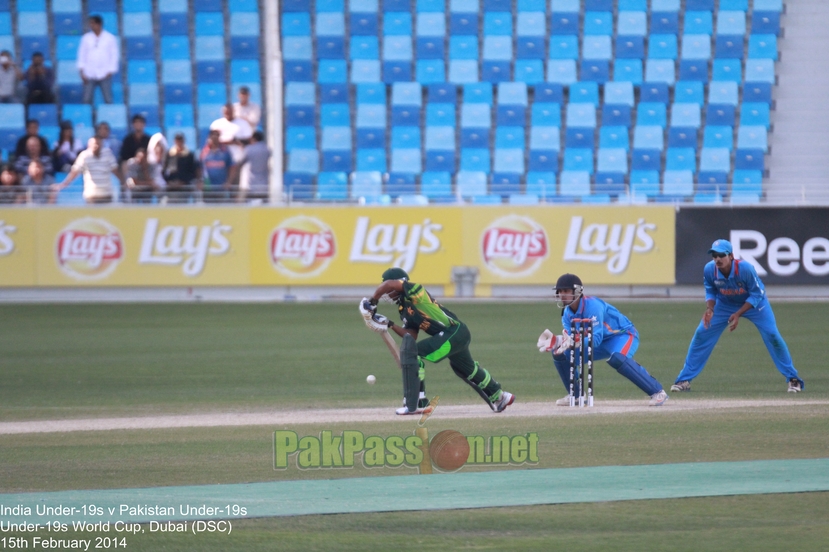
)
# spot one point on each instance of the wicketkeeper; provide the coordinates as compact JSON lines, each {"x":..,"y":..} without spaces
{"x":448,"y":338}
{"x":614,"y":338}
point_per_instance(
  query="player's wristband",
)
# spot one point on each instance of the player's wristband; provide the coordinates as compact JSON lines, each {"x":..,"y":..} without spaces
{"x":391,"y":324}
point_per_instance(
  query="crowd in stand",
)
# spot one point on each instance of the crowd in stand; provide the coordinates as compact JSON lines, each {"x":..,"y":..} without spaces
{"x":231,"y":166}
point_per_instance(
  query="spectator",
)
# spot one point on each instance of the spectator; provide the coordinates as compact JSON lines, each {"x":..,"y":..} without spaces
{"x":98,"y":59}
{"x":32,"y":129}
{"x":96,"y":164}
{"x":66,"y":149}
{"x":38,"y":183}
{"x":157,"y":148}
{"x":143,"y":178}
{"x":11,"y":191}
{"x":256,"y":158}
{"x":104,"y":132}
{"x":135,"y":140}
{"x":233,"y":132}
{"x":33,"y":152}
{"x":180,"y":170}
{"x":10,"y":75}
{"x":40,"y":81}
{"x":245,"y":109}
{"x":216,"y":164}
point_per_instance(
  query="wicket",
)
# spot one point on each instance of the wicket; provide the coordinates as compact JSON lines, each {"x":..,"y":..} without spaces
{"x":581,"y":330}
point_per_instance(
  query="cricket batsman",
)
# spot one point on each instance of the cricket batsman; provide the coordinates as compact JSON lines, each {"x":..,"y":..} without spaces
{"x":614,"y":338}
{"x":733,"y":291}
{"x":448,"y":338}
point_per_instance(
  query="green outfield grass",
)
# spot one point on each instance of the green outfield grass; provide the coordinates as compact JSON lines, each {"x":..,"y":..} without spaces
{"x":72,"y":361}
{"x":81,"y":360}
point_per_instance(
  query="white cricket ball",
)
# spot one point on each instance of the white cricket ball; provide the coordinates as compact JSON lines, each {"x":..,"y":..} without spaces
{"x":370,"y":380}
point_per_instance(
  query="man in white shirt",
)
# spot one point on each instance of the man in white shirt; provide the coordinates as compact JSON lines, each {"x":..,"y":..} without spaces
{"x":96,"y":163}
{"x":234,"y":132}
{"x":98,"y":60}
{"x":246,"y":109}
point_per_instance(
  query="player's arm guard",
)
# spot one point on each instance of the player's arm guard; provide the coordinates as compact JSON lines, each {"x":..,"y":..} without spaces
{"x":367,"y":310}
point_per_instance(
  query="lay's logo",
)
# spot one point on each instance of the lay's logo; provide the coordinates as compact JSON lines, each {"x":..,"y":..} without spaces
{"x":514,"y":246}
{"x":302,"y":246}
{"x":89,"y":249}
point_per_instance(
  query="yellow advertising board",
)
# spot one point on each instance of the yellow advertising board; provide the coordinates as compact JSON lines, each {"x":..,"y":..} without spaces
{"x":142,"y":247}
{"x":237,"y":246}
{"x":17,"y":247}
{"x":347,"y":246}
{"x":603,"y":245}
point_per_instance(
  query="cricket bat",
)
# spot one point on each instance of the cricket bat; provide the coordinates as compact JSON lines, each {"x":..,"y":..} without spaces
{"x":392,"y":345}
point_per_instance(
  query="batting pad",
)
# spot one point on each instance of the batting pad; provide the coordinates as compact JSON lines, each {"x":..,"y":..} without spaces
{"x":450,"y":491}
{"x":410,"y":368}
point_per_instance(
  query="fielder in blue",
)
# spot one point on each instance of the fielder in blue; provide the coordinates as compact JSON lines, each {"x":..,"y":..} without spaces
{"x":733,"y":290}
{"x":614,"y":338}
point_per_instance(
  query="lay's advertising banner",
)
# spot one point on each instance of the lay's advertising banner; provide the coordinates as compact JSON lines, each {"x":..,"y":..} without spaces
{"x":237,"y":246}
{"x":603,"y":245}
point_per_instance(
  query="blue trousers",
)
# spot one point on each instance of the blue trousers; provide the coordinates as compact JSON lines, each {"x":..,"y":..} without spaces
{"x":705,"y":339}
{"x":624,"y":344}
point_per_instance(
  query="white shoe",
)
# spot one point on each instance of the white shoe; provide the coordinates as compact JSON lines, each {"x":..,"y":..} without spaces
{"x":658,"y":399}
{"x":404,"y":411}
{"x":565,"y":401}
{"x":795,"y":386}
{"x":681,"y":386}
{"x":506,"y":399}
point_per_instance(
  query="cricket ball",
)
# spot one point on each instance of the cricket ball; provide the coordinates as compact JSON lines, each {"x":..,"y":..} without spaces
{"x":449,"y":450}
{"x":370,"y":380}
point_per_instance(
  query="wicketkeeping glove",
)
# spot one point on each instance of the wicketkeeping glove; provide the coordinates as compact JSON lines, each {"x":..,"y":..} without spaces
{"x":557,"y":343}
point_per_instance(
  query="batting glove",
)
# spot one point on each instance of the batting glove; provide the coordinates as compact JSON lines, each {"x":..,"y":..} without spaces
{"x":367,"y":310}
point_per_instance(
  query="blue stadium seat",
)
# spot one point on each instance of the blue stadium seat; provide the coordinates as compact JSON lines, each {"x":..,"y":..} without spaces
{"x":727,"y":70}
{"x":685,"y":115}
{"x":497,"y":24}
{"x":337,"y":92}
{"x":644,"y":183}
{"x":574,"y":183}
{"x":616,"y":115}
{"x":244,"y":23}
{"x":365,"y":47}
{"x":300,"y":137}
{"x":210,"y":112}
{"x":245,"y":71}
{"x":509,"y":137}
{"x":612,"y":160}
{"x":653,"y":92}
{"x":299,"y":186}
{"x":67,"y":23}
{"x":581,"y":115}
{"x":660,"y":70}
{"x":762,"y":46}
{"x":439,"y":114}
{"x":178,"y":93}
{"x":646,"y":159}
{"x":678,"y":184}
{"x":681,"y":159}
{"x":32,"y":23}
{"x":45,"y":114}
{"x":731,"y":22}
{"x":64,"y":6}
{"x":699,"y":5}
{"x":584,"y":92}
{"x":175,"y":47}
{"x":366,"y":184}
{"x":210,"y":48}
{"x":715,"y":160}
{"x":436,"y":185}
{"x":397,"y":24}
{"x":651,"y":113}
{"x":723,"y":93}
{"x":114,"y":114}
{"x":475,"y":160}
{"x":335,"y":138}
{"x":699,"y":23}
{"x":598,"y":23}
{"x":397,"y":48}
{"x":564,"y":47}
{"x":328,"y":24}
{"x":141,"y":71}
{"x":463,"y":23}
{"x":497,"y":48}
{"x":508,"y":160}
{"x":729,"y":46}
{"x":335,"y":115}
{"x":630,"y":47}
{"x":79,"y":114}
{"x":363,"y":24}
{"x":752,"y":137}
{"x":173,"y":23}
{"x":476,"y":115}
{"x":715,"y":136}
{"x":632,"y":23}
{"x":614,"y":137}
{"x":428,"y":47}
{"x":541,"y":183}
{"x":628,"y":70}
{"x":178,"y":115}
{"x":440,"y":138}
{"x":562,"y":23}
{"x":244,"y":47}
{"x":403,"y":186}
{"x":293,"y":24}
{"x":662,"y":47}
{"x":523,"y":199}
{"x":722,"y":115}
{"x":337,"y":161}
{"x":431,"y":25}
{"x":664,"y":22}
{"x":213,"y":24}
{"x":137,"y":47}
{"x":397,"y":71}
{"x":698,"y":46}
{"x":372,"y":159}
{"x":214,"y":71}
{"x":529,"y":71}
{"x":682,"y":137}
{"x":693,"y":70}
{"x":595,"y":70}
{"x":576,"y":137}
{"x":471,"y":183}
{"x":66,"y":48}
{"x":176,"y":71}
{"x":149,"y":112}
{"x":138,"y":24}
{"x":293,"y":48}
{"x":578,"y":159}
{"x":765,"y":22}
{"x":755,"y":114}
{"x":31,"y":44}
{"x":207,"y":5}
{"x":430,"y":71}
{"x":365,"y":71}
{"x":648,"y":137}
{"x":760,"y":70}
{"x":689,"y":92}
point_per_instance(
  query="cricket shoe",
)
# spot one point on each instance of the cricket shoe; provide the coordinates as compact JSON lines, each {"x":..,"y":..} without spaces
{"x":681,"y":386}
{"x":565,"y":401}
{"x":658,"y":399}
{"x":795,"y":386}
{"x":422,"y":406}
{"x":501,"y":404}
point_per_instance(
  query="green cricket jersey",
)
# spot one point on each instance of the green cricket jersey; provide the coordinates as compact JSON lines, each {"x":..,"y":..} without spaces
{"x":419,"y":311}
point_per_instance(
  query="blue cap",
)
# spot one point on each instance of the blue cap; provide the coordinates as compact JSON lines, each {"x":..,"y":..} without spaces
{"x":721,"y":246}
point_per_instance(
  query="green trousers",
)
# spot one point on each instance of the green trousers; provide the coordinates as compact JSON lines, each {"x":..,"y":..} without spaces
{"x":453,"y":344}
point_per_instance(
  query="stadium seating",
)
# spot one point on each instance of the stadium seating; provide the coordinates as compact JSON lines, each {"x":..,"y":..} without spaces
{"x":543,"y":99}
{"x":161,"y":43}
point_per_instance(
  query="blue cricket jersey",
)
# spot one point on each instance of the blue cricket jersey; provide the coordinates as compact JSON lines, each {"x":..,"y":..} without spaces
{"x":742,"y":285}
{"x":607,"y":320}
